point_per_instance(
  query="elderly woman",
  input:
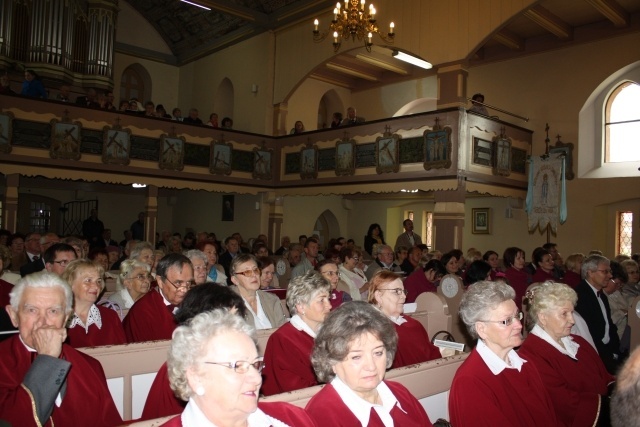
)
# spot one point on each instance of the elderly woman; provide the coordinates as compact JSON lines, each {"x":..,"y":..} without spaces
{"x":352,"y":352}
{"x":424,"y":280}
{"x":5,"y":260}
{"x":330,"y":271}
{"x":213,"y":363}
{"x":544,"y":264}
{"x":632,"y":288}
{"x":573,"y":265}
{"x":351,"y":275}
{"x":287,"y":356}
{"x":515,"y":272}
{"x":90,"y":325}
{"x":265,"y":310}
{"x":216,"y":271}
{"x":134,"y":280}
{"x":571,"y":370}
{"x":200,"y":264}
{"x":494,"y":386}
{"x":387,"y":293}
{"x":143,"y":252}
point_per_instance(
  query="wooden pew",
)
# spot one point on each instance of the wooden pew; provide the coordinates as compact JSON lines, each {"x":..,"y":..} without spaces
{"x":131,"y":368}
{"x":429,"y":382}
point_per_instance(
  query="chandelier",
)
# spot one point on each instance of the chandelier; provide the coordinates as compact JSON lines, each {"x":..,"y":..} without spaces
{"x":353,"y":20}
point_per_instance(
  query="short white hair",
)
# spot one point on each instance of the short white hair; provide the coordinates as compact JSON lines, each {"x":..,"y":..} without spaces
{"x":42,"y":279}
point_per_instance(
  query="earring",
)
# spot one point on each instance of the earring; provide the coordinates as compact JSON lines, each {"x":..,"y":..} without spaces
{"x":200,"y":391}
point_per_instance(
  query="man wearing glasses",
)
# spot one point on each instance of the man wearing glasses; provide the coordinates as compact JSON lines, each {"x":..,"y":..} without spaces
{"x":151,"y":317}
{"x":57,"y":257}
{"x":383,"y":261}
{"x":593,"y":306}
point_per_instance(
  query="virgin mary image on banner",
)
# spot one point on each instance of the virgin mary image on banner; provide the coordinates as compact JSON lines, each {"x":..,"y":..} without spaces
{"x":546,"y":196}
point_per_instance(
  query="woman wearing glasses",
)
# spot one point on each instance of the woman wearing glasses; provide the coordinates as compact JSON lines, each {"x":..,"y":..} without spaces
{"x":353,"y":276}
{"x":495,"y":386}
{"x":214,"y":365}
{"x":288,"y":353}
{"x":90,"y":325}
{"x":387,"y":293}
{"x":571,"y":370}
{"x":135,"y":281}
{"x":330,"y":271}
{"x":265,"y":310}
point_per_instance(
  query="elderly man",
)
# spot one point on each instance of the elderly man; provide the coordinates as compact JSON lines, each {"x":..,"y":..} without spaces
{"x":383,"y":261}
{"x":284,"y":245}
{"x":43,"y":381}
{"x":408,"y":238}
{"x":593,"y":306}
{"x":352,"y":118}
{"x":309,"y":262}
{"x":38,"y":264}
{"x":151,"y":317}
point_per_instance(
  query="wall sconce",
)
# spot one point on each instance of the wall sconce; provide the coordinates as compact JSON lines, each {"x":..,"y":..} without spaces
{"x":254,"y":88}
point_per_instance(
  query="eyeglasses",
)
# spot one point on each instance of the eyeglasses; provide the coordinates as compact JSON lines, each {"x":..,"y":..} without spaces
{"x":249,"y":273}
{"x":356,"y":259}
{"x":332,"y":273}
{"x":606,"y":271}
{"x":506,"y":322}
{"x":180,"y":285}
{"x":241,"y":366}
{"x":396,"y":291}
{"x":143,"y":277}
{"x":200,"y":268}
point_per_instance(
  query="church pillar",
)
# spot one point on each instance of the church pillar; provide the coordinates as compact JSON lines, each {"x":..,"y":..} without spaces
{"x":10,"y":208}
{"x":151,"y":222}
{"x":272,"y":206}
{"x":280,"y":118}
{"x":448,"y":219}
{"x":452,"y":86}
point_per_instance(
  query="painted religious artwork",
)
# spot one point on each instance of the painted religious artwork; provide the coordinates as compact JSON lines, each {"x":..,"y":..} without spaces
{"x":172,"y":152}
{"x":6,"y":131}
{"x":228,"y":207}
{"x":502,"y":156}
{"x":116,"y":147}
{"x":345,"y":157}
{"x":437,"y":148}
{"x":387,"y":153}
{"x":65,"y":139}
{"x":262,"y":163}
{"x":565,"y":149}
{"x":482,"y":151}
{"x":220,"y":158}
{"x":481,"y":221}
{"x":309,"y":162}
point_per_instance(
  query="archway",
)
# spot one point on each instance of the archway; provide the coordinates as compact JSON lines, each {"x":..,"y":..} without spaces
{"x":326,"y":226}
{"x":329,"y":104}
{"x":223,"y":101}
{"x":421,"y":105}
{"x":136,"y":83}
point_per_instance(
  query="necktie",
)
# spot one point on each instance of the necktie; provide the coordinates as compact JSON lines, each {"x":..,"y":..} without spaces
{"x":35,"y":258}
{"x":171,"y":307}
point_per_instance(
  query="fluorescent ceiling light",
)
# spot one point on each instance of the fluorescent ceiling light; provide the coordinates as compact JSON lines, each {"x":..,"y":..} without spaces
{"x":138,"y":185}
{"x":196,"y":4}
{"x":412,"y":60}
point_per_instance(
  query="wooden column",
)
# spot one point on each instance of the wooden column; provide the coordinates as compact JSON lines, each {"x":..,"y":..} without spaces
{"x":10,"y":208}
{"x":151,"y":222}
{"x":448,"y":219}
{"x":452,"y":86}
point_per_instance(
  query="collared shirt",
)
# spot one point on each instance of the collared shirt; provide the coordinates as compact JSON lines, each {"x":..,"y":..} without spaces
{"x":398,"y":320}
{"x":299,"y":324}
{"x":570,"y":346}
{"x":495,"y":364}
{"x":361,"y":408}
{"x":261,"y":321}
{"x":605,"y":338}
{"x":166,"y":301}
{"x":93,"y":318}
{"x":193,"y":416}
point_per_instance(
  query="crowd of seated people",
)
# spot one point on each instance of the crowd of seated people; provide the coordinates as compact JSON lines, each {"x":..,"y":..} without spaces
{"x":156,"y":281}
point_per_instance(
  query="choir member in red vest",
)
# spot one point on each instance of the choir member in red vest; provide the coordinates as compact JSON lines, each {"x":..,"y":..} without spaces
{"x":492,"y":258}
{"x":515,"y":273}
{"x":330,"y":270}
{"x":135,"y":279}
{"x":424,"y":279}
{"x":571,"y":369}
{"x":161,"y":401}
{"x":151,"y":317}
{"x":544,"y":266}
{"x":387,"y":293}
{"x":90,"y":325}
{"x":352,"y":352}
{"x":477,"y":271}
{"x":214,"y":364}
{"x":43,"y":381}
{"x":573,"y":266}
{"x":287,"y":356}
{"x":495,"y":386}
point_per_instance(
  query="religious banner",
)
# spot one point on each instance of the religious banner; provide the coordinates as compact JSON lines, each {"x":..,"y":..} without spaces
{"x":546,"y":196}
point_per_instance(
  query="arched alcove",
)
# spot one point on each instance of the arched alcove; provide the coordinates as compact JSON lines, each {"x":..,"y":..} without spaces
{"x":223,"y":101}
{"x":329,"y":104}
{"x":136,"y":83}
{"x":326,"y":226}
{"x":421,"y":105}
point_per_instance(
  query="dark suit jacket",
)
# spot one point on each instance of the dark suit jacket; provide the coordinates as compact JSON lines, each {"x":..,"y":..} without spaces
{"x":32,"y":267}
{"x":225,"y":261}
{"x":589,"y":309}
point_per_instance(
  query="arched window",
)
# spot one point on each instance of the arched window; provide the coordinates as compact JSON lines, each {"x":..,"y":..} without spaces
{"x":622,"y":124}
{"x":135,"y":83}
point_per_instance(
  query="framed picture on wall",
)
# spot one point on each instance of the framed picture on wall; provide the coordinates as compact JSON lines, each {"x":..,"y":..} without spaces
{"x":345,"y":157}
{"x":65,"y":139}
{"x":116,"y":147}
{"x":502,"y":156}
{"x":228,"y":207}
{"x":220,"y":160}
{"x":262,"y":163}
{"x":6,"y":131}
{"x":172,"y":152}
{"x":566,"y":150}
{"x":481,"y":220}
{"x":309,"y":162}
{"x":387,"y":153}
{"x":437,"y":148}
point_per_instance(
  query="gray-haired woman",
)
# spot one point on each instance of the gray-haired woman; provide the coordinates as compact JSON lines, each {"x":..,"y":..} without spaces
{"x":352,"y":352}
{"x":213,"y":363}
{"x":288,"y":353}
{"x":571,"y":369}
{"x":200,"y":263}
{"x":494,"y":386}
{"x":135,"y":281}
{"x":143,"y":252}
